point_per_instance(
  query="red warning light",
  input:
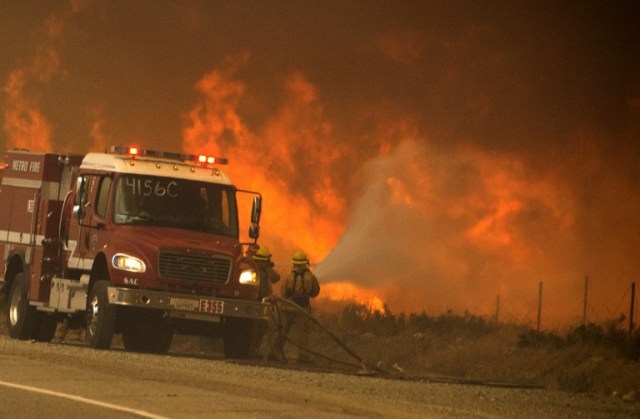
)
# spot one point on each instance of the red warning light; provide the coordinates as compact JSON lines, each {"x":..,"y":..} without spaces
{"x":205,"y":160}
{"x":134,"y":151}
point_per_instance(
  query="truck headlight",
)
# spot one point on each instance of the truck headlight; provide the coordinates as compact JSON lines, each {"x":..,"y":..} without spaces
{"x":250,"y":277}
{"x":128,"y":263}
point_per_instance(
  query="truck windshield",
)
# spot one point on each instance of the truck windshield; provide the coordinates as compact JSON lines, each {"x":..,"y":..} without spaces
{"x":176,"y":203}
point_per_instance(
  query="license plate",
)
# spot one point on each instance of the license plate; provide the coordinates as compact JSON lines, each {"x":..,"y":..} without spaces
{"x":211,"y":306}
{"x":184,"y":304}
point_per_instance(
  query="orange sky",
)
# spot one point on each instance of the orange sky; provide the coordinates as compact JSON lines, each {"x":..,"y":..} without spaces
{"x":432,"y":155}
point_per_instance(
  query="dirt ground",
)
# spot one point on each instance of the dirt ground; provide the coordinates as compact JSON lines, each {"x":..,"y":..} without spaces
{"x":494,"y":354}
{"x":497,"y":357}
{"x":186,"y":384}
{"x":595,"y":361}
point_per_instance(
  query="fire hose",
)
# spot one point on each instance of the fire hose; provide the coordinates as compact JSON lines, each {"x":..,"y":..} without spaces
{"x":276,"y":306}
{"x":363,"y":366}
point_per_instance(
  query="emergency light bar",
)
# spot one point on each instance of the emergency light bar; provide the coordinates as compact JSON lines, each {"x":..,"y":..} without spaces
{"x":134,"y":152}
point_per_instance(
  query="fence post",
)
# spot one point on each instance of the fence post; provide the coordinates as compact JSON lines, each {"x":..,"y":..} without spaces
{"x":539,"y":306}
{"x":584,"y":304}
{"x":632,"y":309}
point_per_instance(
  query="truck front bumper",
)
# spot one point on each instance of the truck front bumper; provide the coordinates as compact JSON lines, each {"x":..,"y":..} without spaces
{"x":185,"y":306}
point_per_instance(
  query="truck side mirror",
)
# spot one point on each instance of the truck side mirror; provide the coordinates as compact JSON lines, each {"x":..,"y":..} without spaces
{"x":254,"y":231}
{"x":78,"y":212}
{"x":79,"y":189}
{"x":256,"y":210}
{"x":79,"y":209}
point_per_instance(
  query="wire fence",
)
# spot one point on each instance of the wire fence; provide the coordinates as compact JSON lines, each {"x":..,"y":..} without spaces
{"x":622,"y":310}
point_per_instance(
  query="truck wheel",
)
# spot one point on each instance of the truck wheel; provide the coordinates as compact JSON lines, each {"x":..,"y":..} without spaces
{"x":146,"y":331}
{"x":21,"y":316}
{"x":236,"y":337}
{"x":45,"y":328}
{"x":100,"y":317}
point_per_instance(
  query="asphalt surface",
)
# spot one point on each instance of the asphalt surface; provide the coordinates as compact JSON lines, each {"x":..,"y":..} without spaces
{"x":72,"y":381}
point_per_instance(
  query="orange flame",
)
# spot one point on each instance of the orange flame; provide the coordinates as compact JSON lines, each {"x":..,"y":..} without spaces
{"x":347,"y":291}
{"x":24,"y":122}
{"x":26,"y":126}
{"x":452,"y":228}
{"x":289,"y":161}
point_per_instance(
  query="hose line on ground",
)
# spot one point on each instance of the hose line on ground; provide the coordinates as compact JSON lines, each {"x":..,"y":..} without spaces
{"x":364,"y":366}
{"x":276,"y":302}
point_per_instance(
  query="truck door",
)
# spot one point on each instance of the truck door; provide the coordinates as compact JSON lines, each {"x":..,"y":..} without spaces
{"x":89,"y":219}
{"x":80,"y":224}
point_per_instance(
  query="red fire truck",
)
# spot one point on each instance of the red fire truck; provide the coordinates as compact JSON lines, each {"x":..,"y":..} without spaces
{"x":134,"y":242}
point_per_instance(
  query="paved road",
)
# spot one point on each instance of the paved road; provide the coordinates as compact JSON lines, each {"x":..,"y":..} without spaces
{"x":53,"y":380}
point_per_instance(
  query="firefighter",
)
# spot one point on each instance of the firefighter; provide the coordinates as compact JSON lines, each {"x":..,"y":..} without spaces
{"x":267,"y":276}
{"x":300,"y":287}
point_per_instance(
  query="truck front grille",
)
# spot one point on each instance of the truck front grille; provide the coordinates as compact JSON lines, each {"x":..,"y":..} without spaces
{"x":194,"y":267}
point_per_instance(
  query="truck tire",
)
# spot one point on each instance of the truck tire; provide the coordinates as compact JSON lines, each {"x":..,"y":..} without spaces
{"x":21,"y":317}
{"x":45,"y":327}
{"x":100,"y":316}
{"x":146,"y":331}
{"x":236,"y":337}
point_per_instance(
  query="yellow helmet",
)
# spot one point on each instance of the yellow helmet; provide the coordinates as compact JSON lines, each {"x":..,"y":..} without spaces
{"x":299,"y":258}
{"x":262,"y":254}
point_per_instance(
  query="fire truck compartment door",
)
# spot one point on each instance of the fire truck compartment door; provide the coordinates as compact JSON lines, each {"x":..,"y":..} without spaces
{"x":68,"y":295}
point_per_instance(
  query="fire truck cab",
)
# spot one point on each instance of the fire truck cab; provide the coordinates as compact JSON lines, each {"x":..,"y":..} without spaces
{"x":133,"y":242}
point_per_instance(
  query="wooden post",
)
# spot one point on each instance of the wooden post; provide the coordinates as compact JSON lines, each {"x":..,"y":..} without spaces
{"x":497,"y":318}
{"x":586,"y":295}
{"x":632,"y":309}
{"x":539,"y":306}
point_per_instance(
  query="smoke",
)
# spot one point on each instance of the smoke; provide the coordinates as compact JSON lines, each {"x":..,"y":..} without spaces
{"x":97,"y":132}
{"x":459,"y":229}
{"x":449,"y":230}
{"x":429,"y":156}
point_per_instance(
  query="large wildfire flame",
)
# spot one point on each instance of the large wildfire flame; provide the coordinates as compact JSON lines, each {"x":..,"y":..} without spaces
{"x":435,"y":190}
{"x":432,"y":229}
{"x":290,"y":161}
